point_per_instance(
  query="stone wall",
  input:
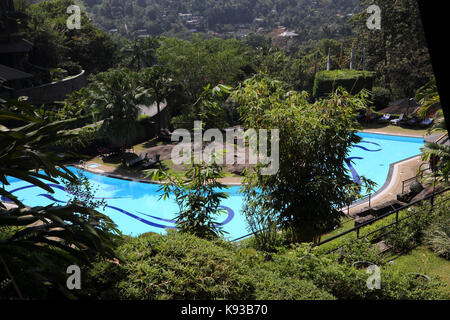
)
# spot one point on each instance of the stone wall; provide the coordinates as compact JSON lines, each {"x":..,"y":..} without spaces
{"x":55,"y":91}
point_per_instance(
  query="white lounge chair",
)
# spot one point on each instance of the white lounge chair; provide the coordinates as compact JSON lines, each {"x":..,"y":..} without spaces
{"x":386,"y":117}
{"x":412,"y":122}
{"x":426,"y":122}
{"x":397,"y":121}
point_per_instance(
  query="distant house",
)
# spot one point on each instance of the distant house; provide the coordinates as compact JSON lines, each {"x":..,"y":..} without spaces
{"x":193,"y":22}
{"x":185,"y":16}
{"x":141,"y":32}
{"x":261,"y":30}
{"x":288,"y":34}
{"x":241,"y":33}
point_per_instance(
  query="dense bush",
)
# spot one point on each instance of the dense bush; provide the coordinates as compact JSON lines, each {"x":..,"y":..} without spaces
{"x":176,"y":266}
{"x":272,"y":286}
{"x":423,"y":221}
{"x":72,"y":68}
{"x":180,"y":266}
{"x":437,"y":236}
{"x":352,"y":81}
{"x":344,"y":279}
{"x":380,"y":97}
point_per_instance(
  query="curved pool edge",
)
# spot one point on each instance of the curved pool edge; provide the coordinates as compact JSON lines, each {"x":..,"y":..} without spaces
{"x":122,"y":177}
{"x":393,"y":134}
{"x":235,"y":184}
{"x":392,"y":179}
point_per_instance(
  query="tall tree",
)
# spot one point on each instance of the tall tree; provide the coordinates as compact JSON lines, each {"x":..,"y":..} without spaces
{"x":140,"y":53}
{"x":313,"y":181}
{"x":115,"y":96}
{"x":398,"y":51}
{"x":156,"y":80}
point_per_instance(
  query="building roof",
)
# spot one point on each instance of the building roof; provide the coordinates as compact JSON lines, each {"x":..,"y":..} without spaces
{"x":406,"y":105}
{"x":288,"y":34}
{"x":19,"y":46}
{"x":10,"y":74}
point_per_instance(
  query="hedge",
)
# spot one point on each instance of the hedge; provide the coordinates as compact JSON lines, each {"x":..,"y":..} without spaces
{"x":352,"y":80}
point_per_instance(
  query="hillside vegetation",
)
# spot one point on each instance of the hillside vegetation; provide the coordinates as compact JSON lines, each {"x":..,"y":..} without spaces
{"x":313,"y":19}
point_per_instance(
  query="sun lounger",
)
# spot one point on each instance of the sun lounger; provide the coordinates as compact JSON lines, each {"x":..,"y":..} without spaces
{"x":411,"y":122}
{"x":135,"y":162}
{"x":150,"y":163}
{"x":386,"y":117}
{"x":426,"y":122}
{"x":397,"y":121}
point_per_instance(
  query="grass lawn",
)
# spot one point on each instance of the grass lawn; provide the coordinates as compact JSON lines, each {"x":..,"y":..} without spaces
{"x":425,"y":261}
{"x":101,"y":162}
{"x":346,"y":224}
{"x":146,"y":145}
{"x":388,"y":128}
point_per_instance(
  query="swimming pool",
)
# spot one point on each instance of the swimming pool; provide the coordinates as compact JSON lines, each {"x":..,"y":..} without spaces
{"x":135,"y":207}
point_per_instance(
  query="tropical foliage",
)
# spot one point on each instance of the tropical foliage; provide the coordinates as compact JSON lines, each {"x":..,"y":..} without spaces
{"x":114,"y":97}
{"x":398,"y":52}
{"x":198,"y":197}
{"x":182,"y":266}
{"x":315,"y":19}
{"x":37,"y":244}
{"x":54,"y":45}
{"x":314,"y":140}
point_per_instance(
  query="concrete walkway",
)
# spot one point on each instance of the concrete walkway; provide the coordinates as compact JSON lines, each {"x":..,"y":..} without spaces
{"x":398,"y":172}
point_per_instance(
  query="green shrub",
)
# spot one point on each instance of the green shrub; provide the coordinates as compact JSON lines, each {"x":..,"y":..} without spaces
{"x":180,"y":266}
{"x":72,"y":68}
{"x":380,"y":97}
{"x":352,"y":81}
{"x":397,"y":285}
{"x":176,"y":266}
{"x":273,"y":287}
{"x":437,"y":237}
{"x":410,"y":232}
{"x":345,"y":280}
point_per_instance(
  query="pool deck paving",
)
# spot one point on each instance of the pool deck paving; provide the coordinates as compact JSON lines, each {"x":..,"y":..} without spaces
{"x":398,"y":173}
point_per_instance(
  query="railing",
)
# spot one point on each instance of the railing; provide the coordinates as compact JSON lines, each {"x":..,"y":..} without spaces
{"x":358,"y":228}
{"x":420,"y":173}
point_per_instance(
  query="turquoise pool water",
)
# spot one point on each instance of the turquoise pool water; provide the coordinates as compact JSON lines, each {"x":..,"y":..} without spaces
{"x":135,"y":207}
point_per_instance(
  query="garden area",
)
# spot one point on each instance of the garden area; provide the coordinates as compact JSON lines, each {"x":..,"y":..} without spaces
{"x":299,"y":242}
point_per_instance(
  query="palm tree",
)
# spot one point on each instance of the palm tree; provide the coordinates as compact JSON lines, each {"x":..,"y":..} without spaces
{"x":140,"y":53}
{"x":428,"y":96}
{"x":37,"y":244}
{"x":115,"y":95}
{"x":438,"y":155}
{"x":157,"y":82}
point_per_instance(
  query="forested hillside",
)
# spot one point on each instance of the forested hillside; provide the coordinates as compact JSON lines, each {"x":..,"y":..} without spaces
{"x":311,"y":19}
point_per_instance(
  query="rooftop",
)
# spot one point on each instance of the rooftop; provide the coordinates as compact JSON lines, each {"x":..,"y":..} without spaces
{"x":10,"y":74}
{"x":19,"y":46}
